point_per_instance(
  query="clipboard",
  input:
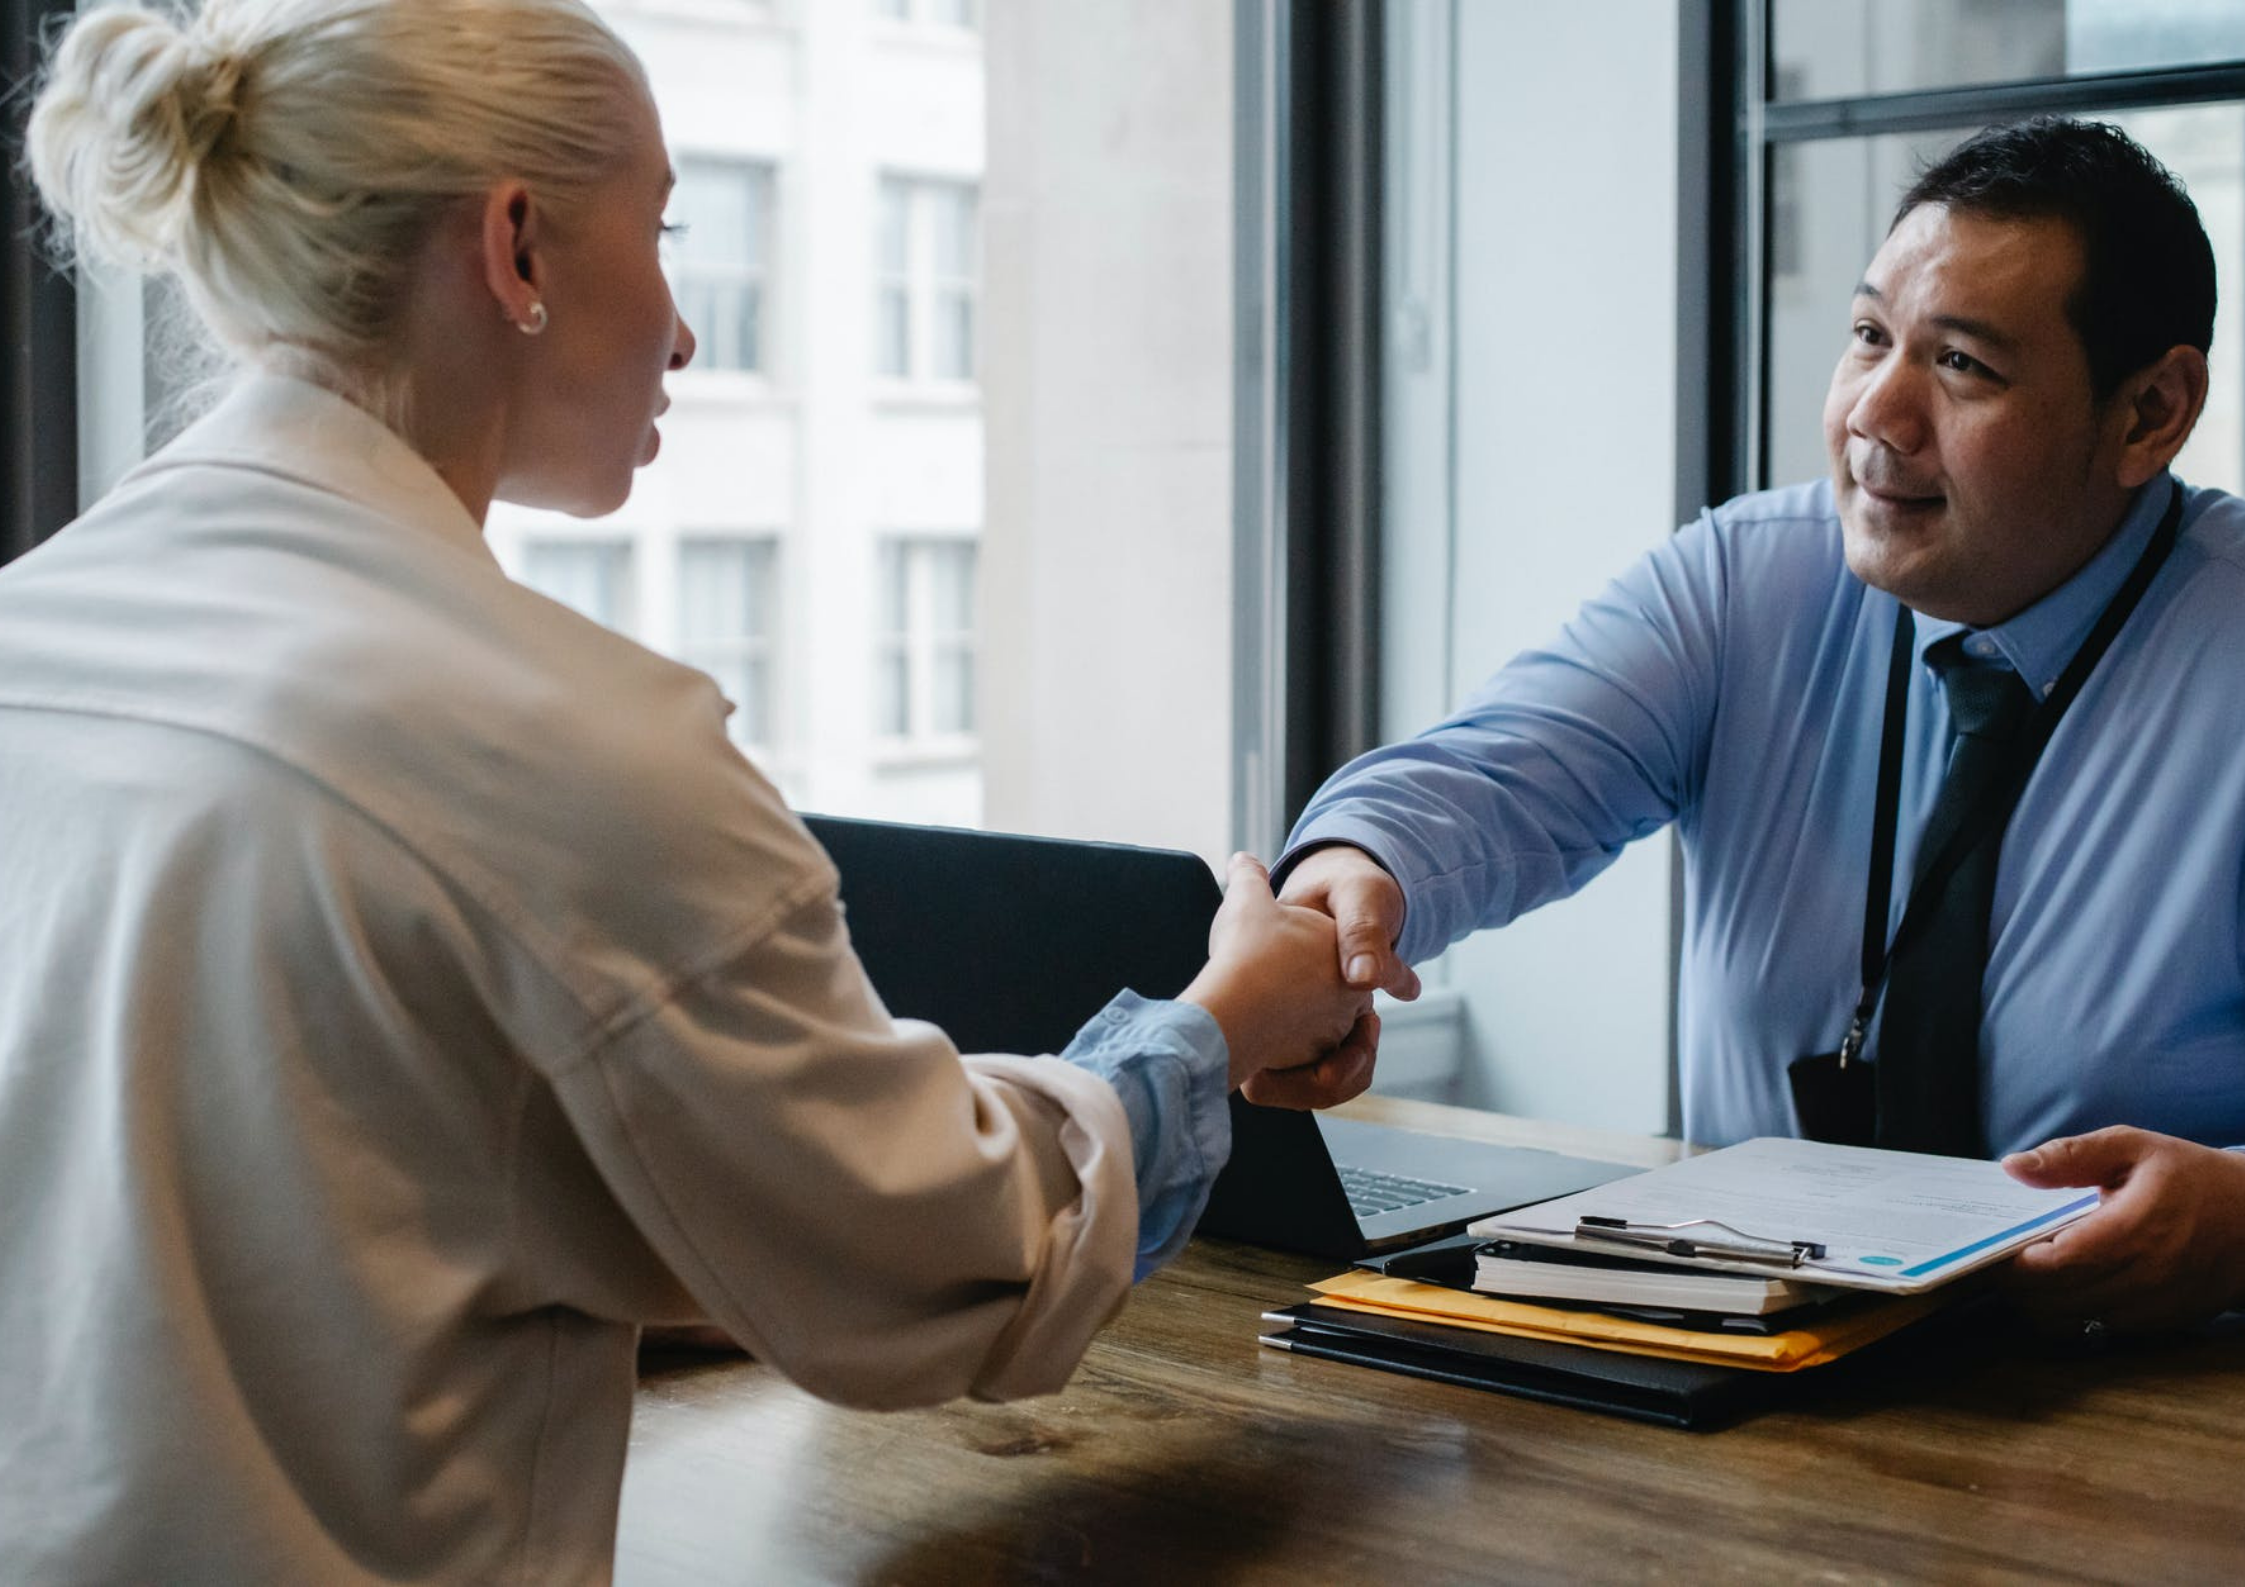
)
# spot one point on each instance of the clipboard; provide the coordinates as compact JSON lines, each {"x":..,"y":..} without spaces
{"x":1899,"y":1223}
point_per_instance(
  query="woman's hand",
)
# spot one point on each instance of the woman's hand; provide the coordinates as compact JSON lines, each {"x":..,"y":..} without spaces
{"x":1299,"y":1035}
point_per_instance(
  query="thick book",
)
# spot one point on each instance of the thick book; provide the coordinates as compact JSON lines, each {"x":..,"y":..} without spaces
{"x":1510,"y":1267}
{"x":1685,"y":1394}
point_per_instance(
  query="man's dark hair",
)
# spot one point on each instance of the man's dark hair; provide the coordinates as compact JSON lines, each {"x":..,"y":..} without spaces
{"x":2147,"y":282}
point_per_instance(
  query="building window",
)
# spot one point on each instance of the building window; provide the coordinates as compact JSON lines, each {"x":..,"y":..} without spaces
{"x":927,"y":260}
{"x":926,"y":646}
{"x":594,"y":576}
{"x":720,"y":262}
{"x":728,"y":624}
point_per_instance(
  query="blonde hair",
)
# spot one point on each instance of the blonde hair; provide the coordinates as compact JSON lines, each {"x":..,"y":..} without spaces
{"x":287,"y":160}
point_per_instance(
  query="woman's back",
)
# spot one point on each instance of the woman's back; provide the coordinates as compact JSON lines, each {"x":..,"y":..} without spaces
{"x":318,"y":818}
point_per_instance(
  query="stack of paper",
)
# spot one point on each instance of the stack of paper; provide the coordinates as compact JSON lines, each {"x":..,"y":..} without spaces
{"x":1828,"y":1337}
{"x":1855,"y":1216}
{"x":1543,"y":1272}
{"x":1834,"y":1246}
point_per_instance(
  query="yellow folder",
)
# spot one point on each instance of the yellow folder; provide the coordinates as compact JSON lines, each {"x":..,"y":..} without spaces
{"x":1844,"y":1327}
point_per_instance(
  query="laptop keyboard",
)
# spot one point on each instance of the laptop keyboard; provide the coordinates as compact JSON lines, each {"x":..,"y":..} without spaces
{"x":1371,"y":1194}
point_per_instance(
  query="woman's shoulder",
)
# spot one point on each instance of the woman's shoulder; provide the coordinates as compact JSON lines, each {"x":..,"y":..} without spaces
{"x":574,"y":782}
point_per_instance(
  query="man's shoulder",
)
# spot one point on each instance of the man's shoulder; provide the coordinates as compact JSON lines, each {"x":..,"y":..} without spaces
{"x":2214,"y":522}
{"x":1786,"y":539}
{"x":1806,"y":505}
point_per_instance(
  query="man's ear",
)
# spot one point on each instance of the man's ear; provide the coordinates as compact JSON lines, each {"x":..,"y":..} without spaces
{"x":2155,"y":410}
{"x":512,"y":269}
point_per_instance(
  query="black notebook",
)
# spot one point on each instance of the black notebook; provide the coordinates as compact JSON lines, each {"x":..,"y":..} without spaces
{"x":1645,"y":1388}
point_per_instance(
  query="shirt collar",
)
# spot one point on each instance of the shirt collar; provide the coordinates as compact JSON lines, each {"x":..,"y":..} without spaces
{"x":2039,"y":641}
{"x":289,"y":427}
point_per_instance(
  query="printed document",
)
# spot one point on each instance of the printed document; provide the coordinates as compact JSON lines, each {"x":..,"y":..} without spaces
{"x":1894,"y":1221}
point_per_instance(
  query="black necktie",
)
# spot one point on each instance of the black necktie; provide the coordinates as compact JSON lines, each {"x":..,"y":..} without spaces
{"x":1928,"y":1072}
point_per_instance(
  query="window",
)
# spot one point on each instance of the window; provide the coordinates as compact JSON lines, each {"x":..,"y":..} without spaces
{"x":1866,"y":96}
{"x":834,"y":162}
{"x":1527,"y":413}
{"x":727,"y":616}
{"x":1843,"y":191}
{"x":593,"y":576}
{"x":1836,"y":49}
{"x":719,"y":263}
{"x":924,"y":677}
{"x":926,"y":268}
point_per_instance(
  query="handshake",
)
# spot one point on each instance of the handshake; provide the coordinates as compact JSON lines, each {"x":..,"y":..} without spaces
{"x":1290,"y":978}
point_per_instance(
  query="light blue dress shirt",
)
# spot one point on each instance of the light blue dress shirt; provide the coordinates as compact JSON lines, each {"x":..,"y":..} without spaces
{"x":1733,"y":683}
{"x":1170,"y":1065}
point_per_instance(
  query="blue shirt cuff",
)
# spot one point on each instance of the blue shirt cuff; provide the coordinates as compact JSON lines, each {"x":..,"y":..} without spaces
{"x":1329,"y":829}
{"x":1168,"y":1063}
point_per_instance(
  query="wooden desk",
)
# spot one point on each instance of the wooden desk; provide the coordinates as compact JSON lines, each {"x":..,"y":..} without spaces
{"x":1183,"y":1451}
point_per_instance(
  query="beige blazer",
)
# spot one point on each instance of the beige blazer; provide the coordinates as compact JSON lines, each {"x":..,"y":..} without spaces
{"x":406,"y":992}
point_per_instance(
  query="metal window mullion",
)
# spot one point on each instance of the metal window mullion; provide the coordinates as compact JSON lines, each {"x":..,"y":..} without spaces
{"x":919,"y":619}
{"x":1933,"y":109}
{"x":38,"y":318}
{"x":919,"y":260}
{"x":1261,"y":33}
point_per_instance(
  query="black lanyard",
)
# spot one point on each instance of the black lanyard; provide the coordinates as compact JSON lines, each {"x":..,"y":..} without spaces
{"x":1994,"y":811}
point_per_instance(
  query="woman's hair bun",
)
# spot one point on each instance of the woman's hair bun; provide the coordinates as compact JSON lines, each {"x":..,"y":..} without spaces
{"x":132,"y":107}
{"x":287,"y":161}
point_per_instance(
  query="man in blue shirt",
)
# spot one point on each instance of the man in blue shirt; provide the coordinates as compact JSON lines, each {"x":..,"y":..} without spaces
{"x":2026,"y":356}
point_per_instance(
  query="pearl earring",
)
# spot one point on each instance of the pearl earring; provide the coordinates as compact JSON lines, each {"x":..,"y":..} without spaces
{"x":534,"y":321}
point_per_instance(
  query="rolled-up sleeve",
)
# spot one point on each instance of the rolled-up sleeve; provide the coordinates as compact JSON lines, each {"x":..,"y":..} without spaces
{"x":1170,"y":1067}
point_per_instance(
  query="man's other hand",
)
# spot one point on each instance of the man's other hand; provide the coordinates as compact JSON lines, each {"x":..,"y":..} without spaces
{"x":1366,"y":904}
{"x":2165,"y":1249}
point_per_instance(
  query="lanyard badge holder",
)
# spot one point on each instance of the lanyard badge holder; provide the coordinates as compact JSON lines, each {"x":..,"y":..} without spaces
{"x":1835,"y":1094}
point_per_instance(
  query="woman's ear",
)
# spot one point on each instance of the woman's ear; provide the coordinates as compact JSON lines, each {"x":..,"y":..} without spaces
{"x":511,"y":266}
{"x":2159,"y":407}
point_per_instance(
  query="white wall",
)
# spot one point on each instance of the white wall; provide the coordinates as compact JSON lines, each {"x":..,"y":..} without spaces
{"x":1108,"y":546}
{"x":1561,"y":473}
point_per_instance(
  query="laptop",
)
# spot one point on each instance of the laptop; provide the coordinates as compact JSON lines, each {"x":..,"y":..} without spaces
{"x":1011,"y":943}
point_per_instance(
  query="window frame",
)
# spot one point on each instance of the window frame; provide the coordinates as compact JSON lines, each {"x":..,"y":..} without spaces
{"x":765,"y":651}
{"x":755,"y":279}
{"x":1308,"y":359}
{"x":1735,"y":130}
{"x":39,"y":483}
{"x":925,"y":288}
{"x":617,"y":551}
{"x":922,"y":643}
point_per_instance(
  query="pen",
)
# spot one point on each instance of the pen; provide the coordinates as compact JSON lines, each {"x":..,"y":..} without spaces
{"x":1661,"y":1237}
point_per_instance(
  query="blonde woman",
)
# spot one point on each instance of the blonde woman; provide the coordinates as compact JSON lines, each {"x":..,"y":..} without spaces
{"x":405,"y":992}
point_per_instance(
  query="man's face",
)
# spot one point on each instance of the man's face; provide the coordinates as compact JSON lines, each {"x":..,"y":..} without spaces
{"x":1973,"y":470}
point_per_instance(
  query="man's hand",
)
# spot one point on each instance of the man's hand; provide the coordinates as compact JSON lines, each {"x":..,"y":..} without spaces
{"x":1366,"y":904}
{"x":1299,"y":1035}
{"x":2166,"y":1249}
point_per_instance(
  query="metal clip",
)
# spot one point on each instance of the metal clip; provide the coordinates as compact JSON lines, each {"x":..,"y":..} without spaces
{"x":1741,"y":1247}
